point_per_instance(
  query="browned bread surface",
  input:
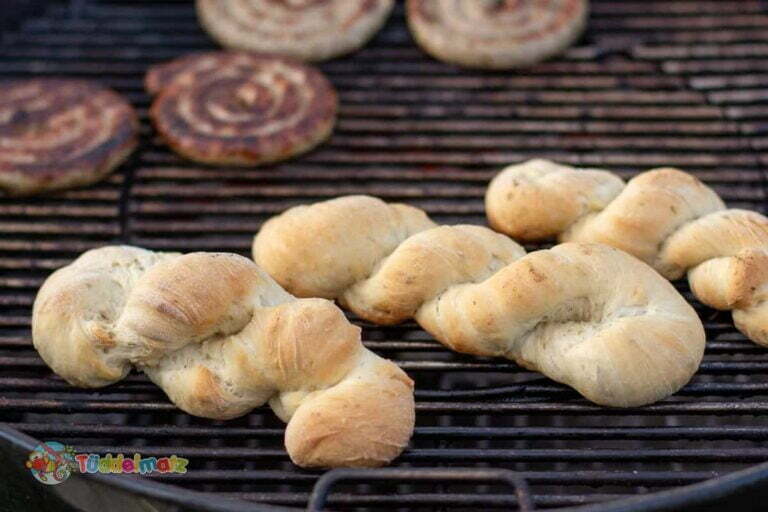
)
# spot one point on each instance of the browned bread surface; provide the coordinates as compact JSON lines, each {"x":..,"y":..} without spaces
{"x":665,"y":217}
{"x":220,"y":337}
{"x":587,"y":315}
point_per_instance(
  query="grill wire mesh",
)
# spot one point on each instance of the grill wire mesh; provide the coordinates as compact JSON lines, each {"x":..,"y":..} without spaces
{"x":652,"y":83}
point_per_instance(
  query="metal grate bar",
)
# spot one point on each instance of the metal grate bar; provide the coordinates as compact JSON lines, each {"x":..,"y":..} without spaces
{"x":331,"y":478}
{"x":652,"y":83}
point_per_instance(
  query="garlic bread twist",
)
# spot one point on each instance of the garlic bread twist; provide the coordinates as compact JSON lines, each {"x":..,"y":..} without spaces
{"x":220,"y":337}
{"x":585,"y":315}
{"x":665,"y":217}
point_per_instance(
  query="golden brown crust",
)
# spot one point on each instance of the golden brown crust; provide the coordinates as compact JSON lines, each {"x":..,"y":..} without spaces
{"x":314,"y":30}
{"x":298,"y":247}
{"x":665,"y":217}
{"x":424,"y":266}
{"x":76,"y":307}
{"x":220,"y":337}
{"x":60,"y":133}
{"x":236,"y":108}
{"x":558,"y":312}
{"x":495,"y":35}
{"x":512,"y":200}
{"x":374,"y":428}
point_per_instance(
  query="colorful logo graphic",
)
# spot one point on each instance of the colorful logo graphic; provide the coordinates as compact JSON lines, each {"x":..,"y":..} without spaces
{"x":52,"y":462}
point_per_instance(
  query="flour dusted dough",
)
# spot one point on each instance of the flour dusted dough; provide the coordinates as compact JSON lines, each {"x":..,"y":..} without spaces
{"x":665,"y":217}
{"x":220,"y":337}
{"x":587,"y":315}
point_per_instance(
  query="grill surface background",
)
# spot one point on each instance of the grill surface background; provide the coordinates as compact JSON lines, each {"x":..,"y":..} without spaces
{"x":674,"y":82}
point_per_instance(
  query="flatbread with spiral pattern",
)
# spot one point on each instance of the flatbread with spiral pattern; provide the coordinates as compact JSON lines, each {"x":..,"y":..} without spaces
{"x":238,"y":108}
{"x":61,"y":133}
{"x":309,"y":30}
{"x":496,"y":34}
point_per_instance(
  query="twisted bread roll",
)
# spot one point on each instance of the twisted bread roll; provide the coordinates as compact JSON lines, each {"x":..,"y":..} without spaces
{"x":496,"y":34}
{"x":220,"y":337}
{"x":303,"y":29}
{"x":557,"y":311}
{"x":665,"y":217}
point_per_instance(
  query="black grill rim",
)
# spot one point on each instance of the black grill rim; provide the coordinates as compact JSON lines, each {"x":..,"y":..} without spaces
{"x":739,"y":487}
{"x":193,"y":500}
{"x":739,"y":490}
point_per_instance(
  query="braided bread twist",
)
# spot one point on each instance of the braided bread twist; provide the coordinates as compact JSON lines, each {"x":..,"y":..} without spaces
{"x":665,"y":217}
{"x":220,"y":337}
{"x":556,"y":311}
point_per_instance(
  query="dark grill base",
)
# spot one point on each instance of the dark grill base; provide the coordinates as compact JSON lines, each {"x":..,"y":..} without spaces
{"x":653,"y":83}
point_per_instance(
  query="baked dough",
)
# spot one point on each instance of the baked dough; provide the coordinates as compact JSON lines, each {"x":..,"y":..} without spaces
{"x":496,"y":34}
{"x":304,"y":29}
{"x":220,"y":337}
{"x":562,"y":312}
{"x":60,"y":133}
{"x":236,"y":108}
{"x":665,"y":217}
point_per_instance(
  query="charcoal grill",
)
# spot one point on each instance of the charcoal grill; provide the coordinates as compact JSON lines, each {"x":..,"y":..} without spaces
{"x":652,"y":83}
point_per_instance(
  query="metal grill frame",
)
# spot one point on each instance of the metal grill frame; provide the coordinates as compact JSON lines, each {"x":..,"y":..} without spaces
{"x":737,"y":491}
{"x":129,"y":207}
